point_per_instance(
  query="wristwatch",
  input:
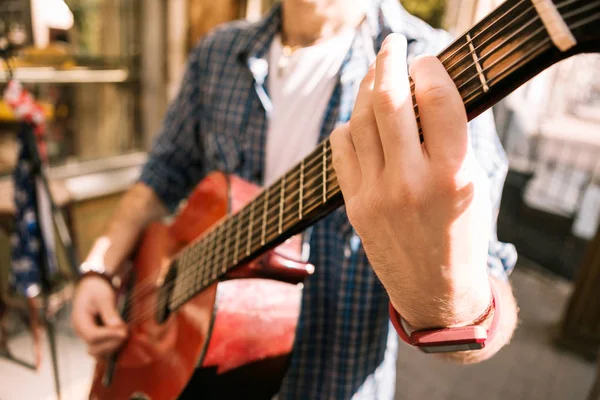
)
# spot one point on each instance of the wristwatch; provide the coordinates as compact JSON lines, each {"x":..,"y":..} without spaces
{"x":446,"y":340}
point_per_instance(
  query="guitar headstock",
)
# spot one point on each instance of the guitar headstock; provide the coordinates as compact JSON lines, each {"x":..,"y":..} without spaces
{"x":583,"y":19}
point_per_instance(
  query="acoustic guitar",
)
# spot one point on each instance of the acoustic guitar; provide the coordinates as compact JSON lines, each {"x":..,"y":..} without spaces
{"x":216,"y":294}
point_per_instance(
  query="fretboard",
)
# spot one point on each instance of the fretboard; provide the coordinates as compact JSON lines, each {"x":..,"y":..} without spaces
{"x":487,"y":62}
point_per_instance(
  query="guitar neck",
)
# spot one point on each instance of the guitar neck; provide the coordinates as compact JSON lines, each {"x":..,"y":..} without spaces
{"x":487,"y":62}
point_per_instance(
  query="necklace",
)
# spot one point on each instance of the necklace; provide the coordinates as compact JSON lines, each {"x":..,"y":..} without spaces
{"x":284,"y":59}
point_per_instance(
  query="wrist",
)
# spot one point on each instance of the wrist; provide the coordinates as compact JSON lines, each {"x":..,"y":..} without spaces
{"x":479,"y":334}
{"x":451,"y":308}
{"x":89,"y":269}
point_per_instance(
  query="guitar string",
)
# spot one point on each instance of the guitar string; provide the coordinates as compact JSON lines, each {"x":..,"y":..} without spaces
{"x":213,"y":259}
{"x":149,"y":284}
{"x":295,"y":170}
{"x":582,"y":23}
{"x":490,"y":26}
{"x":541,"y":29}
{"x":470,"y":54}
{"x":271,"y":209}
{"x":497,"y":32}
{"x":221,"y":259}
{"x":482,"y":32}
{"x":547,"y":40}
{"x":317,"y":157}
{"x":211,"y":266}
{"x":535,"y":50}
{"x":150,"y":311}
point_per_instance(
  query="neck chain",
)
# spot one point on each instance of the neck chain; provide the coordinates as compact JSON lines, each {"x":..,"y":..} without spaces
{"x":284,"y":59}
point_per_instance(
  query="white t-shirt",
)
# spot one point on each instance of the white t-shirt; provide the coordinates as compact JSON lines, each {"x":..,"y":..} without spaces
{"x":300,"y":87}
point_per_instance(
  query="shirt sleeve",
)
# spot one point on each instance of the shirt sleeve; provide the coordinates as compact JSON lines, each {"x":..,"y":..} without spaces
{"x":488,"y":151}
{"x":176,"y":161}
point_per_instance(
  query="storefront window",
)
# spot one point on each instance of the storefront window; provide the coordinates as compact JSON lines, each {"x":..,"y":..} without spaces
{"x":81,"y":62}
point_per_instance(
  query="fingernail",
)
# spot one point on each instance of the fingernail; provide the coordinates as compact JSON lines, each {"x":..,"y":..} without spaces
{"x":394,"y":39}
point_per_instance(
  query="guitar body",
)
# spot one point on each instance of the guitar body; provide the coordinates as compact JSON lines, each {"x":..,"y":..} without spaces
{"x":240,"y":331}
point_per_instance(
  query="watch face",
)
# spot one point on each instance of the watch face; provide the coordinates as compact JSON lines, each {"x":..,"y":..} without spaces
{"x":451,"y":347}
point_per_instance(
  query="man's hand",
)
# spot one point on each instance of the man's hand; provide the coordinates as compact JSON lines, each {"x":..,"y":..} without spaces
{"x":423,"y":211}
{"x":95,"y":318}
{"x":95,"y":298}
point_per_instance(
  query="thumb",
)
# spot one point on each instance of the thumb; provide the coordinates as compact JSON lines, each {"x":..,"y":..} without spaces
{"x":109,"y":315}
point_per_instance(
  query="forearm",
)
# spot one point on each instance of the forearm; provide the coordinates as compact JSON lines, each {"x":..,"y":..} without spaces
{"x":137,"y":209}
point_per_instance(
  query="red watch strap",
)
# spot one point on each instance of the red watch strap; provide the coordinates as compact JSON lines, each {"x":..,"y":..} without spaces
{"x":491,"y":331}
{"x":395,"y":318}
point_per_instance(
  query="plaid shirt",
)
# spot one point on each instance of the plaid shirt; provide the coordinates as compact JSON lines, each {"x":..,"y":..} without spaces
{"x":344,"y":346}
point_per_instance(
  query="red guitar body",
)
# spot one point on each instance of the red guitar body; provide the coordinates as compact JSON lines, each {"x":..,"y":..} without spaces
{"x":234,"y":337}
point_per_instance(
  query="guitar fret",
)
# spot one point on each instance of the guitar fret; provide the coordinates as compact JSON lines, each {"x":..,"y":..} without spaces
{"x":281,"y":202}
{"x":301,"y":192}
{"x":189,"y":282}
{"x":249,"y":247}
{"x":206,"y":269}
{"x":264,"y":217}
{"x":177,"y":289}
{"x":196,"y":265}
{"x":482,"y":77}
{"x":213,"y":247}
{"x":199,"y":281}
{"x":237,"y":238}
{"x":226,"y":250}
{"x":324,"y":171}
{"x":185,"y":276}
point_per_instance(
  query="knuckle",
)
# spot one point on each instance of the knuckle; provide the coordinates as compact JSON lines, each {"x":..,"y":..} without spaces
{"x":406,"y":196}
{"x":336,"y":136}
{"x":337,"y":159}
{"x":376,"y":202}
{"x":432,"y":93}
{"x":353,"y":210}
{"x":360,"y":121}
{"x":385,"y":101}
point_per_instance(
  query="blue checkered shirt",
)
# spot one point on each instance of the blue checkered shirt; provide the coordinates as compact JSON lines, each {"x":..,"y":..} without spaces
{"x":344,"y":345}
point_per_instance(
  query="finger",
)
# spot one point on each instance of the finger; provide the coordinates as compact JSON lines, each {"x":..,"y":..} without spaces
{"x":107,"y":333}
{"x":92,"y":333}
{"x":109,"y":315}
{"x":363,"y":130}
{"x":345,"y":161}
{"x":86,"y":326}
{"x":105,"y":348}
{"x":442,"y":112}
{"x":392,"y":101}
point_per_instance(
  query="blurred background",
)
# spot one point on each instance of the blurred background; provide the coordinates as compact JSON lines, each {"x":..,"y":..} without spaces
{"x":104,"y":72}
